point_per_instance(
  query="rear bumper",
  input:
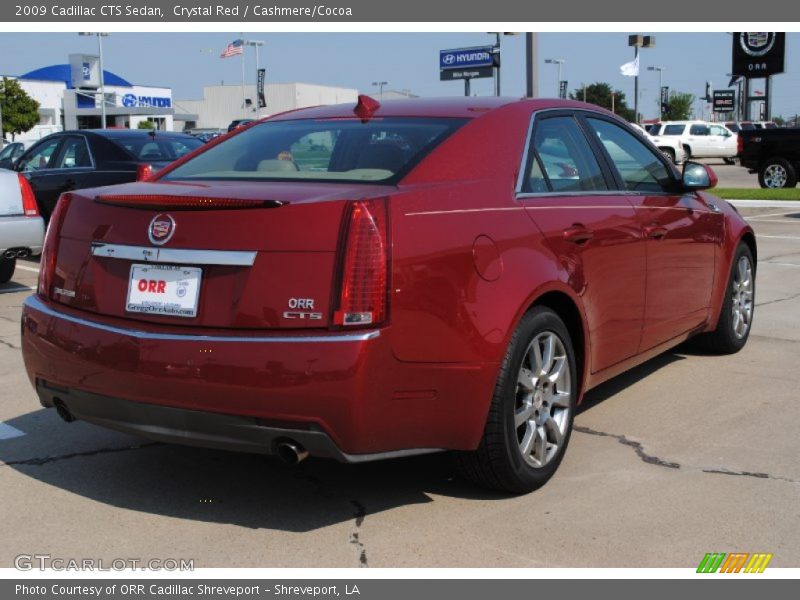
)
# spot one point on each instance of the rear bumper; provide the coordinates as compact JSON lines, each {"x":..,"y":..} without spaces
{"x":197,"y":428}
{"x":22,"y":232}
{"x":340,"y":395}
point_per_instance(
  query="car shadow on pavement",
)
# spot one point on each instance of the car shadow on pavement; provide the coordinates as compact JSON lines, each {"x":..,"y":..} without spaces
{"x":247,"y":490}
{"x":621,"y":382}
{"x":221,"y":487}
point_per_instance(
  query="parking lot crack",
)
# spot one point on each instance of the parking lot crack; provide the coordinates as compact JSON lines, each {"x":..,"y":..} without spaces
{"x":654,"y":460}
{"x":792,"y":297}
{"x":355,"y":537}
{"x":40,"y":461}
{"x":9,"y":344}
{"x":637,"y":447}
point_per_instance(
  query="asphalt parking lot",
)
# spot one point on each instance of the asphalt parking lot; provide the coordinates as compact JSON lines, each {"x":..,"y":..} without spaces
{"x":687,"y":454}
{"x":732,"y":176}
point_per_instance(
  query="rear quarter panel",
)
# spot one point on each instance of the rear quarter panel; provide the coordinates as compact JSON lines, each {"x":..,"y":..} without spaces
{"x":456,"y":214}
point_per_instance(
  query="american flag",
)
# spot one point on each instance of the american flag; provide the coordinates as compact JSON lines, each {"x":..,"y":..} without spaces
{"x":232,"y":49}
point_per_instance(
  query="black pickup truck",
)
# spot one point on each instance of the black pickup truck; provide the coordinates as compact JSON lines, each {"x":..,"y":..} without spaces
{"x":772,"y":153}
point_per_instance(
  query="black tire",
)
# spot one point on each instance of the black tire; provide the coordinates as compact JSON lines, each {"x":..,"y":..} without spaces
{"x":688,"y":151}
{"x":498,"y":461}
{"x":7,"y":267}
{"x":669,"y":153}
{"x":725,"y":339}
{"x":729,"y":161}
{"x":777,"y":170}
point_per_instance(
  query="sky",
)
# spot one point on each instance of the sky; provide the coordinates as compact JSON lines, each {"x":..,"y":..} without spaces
{"x":188,"y":61}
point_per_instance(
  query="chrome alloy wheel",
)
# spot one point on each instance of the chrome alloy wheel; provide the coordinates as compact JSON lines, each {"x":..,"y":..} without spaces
{"x":775,"y":176}
{"x":541,"y":414}
{"x":742,"y":305}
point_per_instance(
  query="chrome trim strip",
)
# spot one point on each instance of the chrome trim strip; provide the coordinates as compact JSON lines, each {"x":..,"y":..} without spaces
{"x":33,"y":303}
{"x":179,"y":256}
{"x":523,"y":195}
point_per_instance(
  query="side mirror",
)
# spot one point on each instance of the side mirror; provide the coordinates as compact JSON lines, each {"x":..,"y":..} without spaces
{"x":697,"y":176}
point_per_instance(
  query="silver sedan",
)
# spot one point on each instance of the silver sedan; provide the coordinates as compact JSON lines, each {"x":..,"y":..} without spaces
{"x":21,"y":225}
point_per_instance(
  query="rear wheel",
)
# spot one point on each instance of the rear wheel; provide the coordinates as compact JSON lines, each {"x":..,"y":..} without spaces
{"x":777,"y":173}
{"x":669,"y":153}
{"x":7,"y":267}
{"x":530,"y":418}
{"x":736,"y":317}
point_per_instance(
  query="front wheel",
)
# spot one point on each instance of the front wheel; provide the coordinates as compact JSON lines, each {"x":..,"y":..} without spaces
{"x":777,"y":173}
{"x":669,"y":153}
{"x":738,"y":307}
{"x":530,"y":418}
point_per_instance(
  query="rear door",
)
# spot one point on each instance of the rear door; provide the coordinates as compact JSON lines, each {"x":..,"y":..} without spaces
{"x":37,"y":165}
{"x":592,"y":230}
{"x":681,"y":233}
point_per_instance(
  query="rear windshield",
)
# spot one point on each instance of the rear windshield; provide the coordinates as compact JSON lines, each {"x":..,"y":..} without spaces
{"x":326,"y":150}
{"x":158,"y":149}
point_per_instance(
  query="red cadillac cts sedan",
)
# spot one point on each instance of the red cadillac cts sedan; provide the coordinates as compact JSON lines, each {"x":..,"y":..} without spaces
{"x":380,"y":280}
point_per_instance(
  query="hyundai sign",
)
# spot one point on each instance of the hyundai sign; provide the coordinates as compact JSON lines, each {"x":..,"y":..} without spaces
{"x":467,"y":58}
{"x":132,"y":100}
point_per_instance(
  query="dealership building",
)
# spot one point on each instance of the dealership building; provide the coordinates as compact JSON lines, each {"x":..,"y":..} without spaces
{"x":69,"y":97}
{"x":222,"y":104}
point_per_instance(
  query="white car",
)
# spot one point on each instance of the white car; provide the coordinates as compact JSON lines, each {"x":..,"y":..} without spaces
{"x":21,"y":225}
{"x":669,"y":147}
{"x":700,"y":139}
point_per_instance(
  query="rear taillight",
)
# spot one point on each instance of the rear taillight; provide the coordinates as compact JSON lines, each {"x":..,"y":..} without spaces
{"x":364,"y":269}
{"x":144,"y":172}
{"x":739,"y":144}
{"x":29,"y":206}
{"x":47,"y":264}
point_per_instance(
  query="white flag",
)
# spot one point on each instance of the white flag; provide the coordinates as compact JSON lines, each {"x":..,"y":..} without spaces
{"x":630,"y":69}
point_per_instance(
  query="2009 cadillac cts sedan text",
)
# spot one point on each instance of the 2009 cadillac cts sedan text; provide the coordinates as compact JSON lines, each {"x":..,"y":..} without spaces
{"x":371,"y":281}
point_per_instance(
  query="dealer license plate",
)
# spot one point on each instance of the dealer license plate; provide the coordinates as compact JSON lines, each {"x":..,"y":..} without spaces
{"x":164,"y":290}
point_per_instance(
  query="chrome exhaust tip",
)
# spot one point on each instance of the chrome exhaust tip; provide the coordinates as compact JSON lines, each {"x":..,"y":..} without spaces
{"x":291,"y":453}
{"x":63,"y":411}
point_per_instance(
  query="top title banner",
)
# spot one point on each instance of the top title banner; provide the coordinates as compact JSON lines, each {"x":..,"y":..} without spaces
{"x":465,"y":11}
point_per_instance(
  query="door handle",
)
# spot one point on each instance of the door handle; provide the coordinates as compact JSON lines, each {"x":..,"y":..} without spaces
{"x":578,"y":234}
{"x":655,"y":231}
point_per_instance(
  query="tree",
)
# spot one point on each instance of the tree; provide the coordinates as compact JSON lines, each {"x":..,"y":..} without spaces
{"x":20,"y":111}
{"x":779,"y":121}
{"x":601,"y":94}
{"x":146,"y":125}
{"x":679,"y":107}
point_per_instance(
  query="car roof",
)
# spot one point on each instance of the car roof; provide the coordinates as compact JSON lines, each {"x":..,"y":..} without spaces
{"x":125,"y":133}
{"x":456,"y":107}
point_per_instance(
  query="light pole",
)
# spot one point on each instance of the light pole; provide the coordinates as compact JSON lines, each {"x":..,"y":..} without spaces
{"x":638,"y":41}
{"x":559,"y":62}
{"x":256,"y":44}
{"x":379,"y":85}
{"x":496,"y":49}
{"x":660,"y":87}
{"x":531,"y":64}
{"x":100,"y":36}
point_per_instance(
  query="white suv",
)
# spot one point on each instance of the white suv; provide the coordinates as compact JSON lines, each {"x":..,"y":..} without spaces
{"x":668,"y":146}
{"x":700,"y":139}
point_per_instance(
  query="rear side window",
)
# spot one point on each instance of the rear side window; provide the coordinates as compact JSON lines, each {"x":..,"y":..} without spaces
{"x":560,"y":159}
{"x":74,"y":154}
{"x":378,"y":150}
{"x":698,"y":130}
{"x":639,"y":167}
{"x":673,"y":130}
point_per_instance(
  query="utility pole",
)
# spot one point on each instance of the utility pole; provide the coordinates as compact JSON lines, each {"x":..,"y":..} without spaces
{"x":559,"y":62}
{"x":638,"y":41}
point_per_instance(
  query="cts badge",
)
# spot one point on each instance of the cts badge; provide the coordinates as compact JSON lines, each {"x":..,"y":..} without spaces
{"x":161,"y":229}
{"x":302,"y":303}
